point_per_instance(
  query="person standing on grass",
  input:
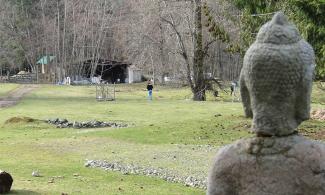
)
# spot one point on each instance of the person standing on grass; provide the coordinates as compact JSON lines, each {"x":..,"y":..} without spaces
{"x":149,"y":88}
{"x":233,"y":87}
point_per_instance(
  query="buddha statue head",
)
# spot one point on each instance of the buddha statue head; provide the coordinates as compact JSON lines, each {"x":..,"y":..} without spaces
{"x":276,"y":78}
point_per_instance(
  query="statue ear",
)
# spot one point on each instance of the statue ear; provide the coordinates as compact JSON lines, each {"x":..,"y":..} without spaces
{"x":304,"y":94}
{"x":310,"y":72}
{"x":245,"y":97}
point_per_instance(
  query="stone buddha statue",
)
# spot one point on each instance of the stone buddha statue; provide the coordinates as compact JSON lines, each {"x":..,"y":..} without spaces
{"x":275,"y":83}
{"x":276,"y":79}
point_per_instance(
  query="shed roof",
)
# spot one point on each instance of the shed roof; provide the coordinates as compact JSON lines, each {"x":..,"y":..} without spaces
{"x":45,"y":60}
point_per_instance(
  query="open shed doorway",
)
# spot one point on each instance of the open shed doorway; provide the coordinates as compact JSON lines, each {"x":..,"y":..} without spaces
{"x":112,"y":74}
{"x":108,"y":71}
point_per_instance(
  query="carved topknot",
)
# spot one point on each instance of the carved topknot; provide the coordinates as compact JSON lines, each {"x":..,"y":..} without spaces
{"x":278,"y":31}
{"x":280,"y":19}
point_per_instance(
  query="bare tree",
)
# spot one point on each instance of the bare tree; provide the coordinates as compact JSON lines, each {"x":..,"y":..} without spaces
{"x":161,"y":37}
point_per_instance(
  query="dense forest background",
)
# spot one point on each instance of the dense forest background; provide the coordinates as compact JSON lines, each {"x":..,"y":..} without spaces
{"x":183,"y":39}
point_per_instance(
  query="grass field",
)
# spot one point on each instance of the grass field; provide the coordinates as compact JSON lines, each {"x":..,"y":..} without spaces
{"x":6,"y":88}
{"x":170,"y":132}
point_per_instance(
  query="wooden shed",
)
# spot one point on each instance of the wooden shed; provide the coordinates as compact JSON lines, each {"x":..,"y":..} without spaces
{"x":111,"y":71}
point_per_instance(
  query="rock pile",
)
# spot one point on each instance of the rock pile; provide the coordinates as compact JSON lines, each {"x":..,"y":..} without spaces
{"x":64,"y":123}
{"x":149,"y":171}
{"x":318,"y":114}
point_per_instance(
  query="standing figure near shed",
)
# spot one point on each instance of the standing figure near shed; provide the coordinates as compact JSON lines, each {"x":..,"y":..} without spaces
{"x":149,"y":88}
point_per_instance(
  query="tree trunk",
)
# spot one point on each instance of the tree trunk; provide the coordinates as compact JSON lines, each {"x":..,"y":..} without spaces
{"x":198,"y":72}
{"x":59,"y":60}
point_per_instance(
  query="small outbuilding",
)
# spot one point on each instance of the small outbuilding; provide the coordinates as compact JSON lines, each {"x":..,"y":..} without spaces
{"x":111,"y":71}
{"x":134,"y":74}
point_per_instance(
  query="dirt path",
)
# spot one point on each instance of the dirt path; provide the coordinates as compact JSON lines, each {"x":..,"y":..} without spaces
{"x":16,"y":95}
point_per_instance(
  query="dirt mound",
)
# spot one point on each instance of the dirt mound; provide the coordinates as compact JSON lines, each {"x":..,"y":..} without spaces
{"x":20,"y":120}
{"x":318,"y":114}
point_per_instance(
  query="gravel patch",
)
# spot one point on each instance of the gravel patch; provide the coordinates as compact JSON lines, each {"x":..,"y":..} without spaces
{"x":64,"y":123}
{"x":164,"y":174}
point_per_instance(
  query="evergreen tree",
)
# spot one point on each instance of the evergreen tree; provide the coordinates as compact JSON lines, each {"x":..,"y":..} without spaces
{"x":308,"y":15}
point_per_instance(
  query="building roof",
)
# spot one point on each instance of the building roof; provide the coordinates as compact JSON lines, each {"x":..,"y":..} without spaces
{"x":45,"y":60}
{"x":133,"y":67}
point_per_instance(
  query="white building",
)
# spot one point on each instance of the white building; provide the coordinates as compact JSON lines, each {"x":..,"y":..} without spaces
{"x":134,"y":74}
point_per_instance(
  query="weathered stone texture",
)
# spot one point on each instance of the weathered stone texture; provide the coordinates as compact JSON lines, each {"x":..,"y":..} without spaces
{"x":276,"y":79}
{"x":276,"y":82}
{"x":290,"y":165}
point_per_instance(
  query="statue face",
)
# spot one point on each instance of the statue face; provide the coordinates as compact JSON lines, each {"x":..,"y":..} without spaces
{"x":276,"y":79}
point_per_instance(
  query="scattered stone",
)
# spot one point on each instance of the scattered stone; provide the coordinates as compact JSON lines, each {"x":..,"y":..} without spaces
{"x":88,"y":164}
{"x":5,"y":182}
{"x":64,"y":123}
{"x":318,"y":114}
{"x":35,"y":174}
{"x":148,"y":171}
{"x":58,"y":177}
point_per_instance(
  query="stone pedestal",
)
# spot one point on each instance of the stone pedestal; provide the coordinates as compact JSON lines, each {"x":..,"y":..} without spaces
{"x":290,"y":165}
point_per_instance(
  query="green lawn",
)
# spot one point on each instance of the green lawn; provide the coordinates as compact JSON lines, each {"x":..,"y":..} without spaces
{"x":170,"y":126}
{"x":318,"y":96}
{"x":5,"y":88}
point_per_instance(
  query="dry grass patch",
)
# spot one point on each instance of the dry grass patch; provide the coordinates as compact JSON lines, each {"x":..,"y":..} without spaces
{"x":14,"y":120}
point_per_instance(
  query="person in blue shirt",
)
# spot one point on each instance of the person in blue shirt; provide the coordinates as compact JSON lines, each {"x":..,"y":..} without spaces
{"x":149,"y":88}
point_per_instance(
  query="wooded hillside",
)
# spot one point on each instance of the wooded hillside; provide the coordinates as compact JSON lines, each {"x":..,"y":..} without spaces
{"x":161,"y":37}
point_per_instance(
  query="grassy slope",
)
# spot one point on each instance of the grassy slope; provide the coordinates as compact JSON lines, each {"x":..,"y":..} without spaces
{"x":168,"y":125}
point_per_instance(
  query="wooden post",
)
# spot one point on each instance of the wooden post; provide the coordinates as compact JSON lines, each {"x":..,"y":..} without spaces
{"x":114,"y":91}
{"x":37,"y":79}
